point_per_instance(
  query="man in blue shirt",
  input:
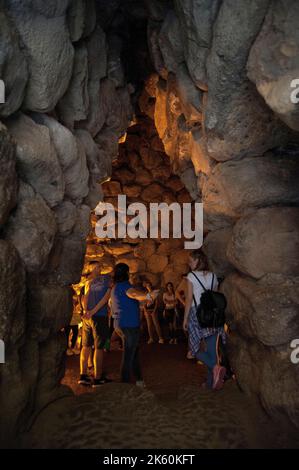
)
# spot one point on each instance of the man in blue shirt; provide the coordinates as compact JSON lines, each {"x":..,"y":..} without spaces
{"x":125,"y":305}
{"x":95,"y":329}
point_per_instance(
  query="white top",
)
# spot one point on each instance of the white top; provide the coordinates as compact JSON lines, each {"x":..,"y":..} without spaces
{"x":206,"y":278}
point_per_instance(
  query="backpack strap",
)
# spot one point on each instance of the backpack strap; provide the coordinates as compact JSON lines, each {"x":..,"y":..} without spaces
{"x":198,"y":280}
{"x":212,"y":282}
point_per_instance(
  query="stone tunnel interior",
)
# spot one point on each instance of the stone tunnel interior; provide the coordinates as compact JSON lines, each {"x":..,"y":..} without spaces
{"x":163,"y":101}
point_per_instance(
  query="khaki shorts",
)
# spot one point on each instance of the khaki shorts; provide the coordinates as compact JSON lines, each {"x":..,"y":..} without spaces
{"x":95,"y":331}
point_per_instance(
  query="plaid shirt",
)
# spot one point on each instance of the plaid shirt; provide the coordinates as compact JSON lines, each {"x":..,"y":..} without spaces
{"x":196,"y":333}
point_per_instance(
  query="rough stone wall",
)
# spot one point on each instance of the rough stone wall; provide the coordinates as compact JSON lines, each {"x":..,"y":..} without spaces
{"x":221,"y":103}
{"x":66,"y":108}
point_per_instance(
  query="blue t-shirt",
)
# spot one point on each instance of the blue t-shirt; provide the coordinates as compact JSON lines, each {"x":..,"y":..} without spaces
{"x":98,"y":288}
{"x":126,"y":310}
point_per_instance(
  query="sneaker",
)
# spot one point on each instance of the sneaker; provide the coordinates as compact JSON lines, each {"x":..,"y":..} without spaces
{"x":218,"y":377}
{"x":84,"y":380}
{"x":140,"y":383}
{"x":150,"y":341}
{"x":189,"y":355}
{"x":76,"y":351}
{"x":170,"y":341}
{"x":98,"y":382}
{"x":161,"y":341}
{"x":69,"y":352}
{"x":175,"y":341}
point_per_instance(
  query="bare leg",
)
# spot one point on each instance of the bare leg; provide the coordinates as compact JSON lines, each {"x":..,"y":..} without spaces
{"x":90,"y":359}
{"x":85,"y":352}
{"x":121,"y":336}
{"x":149,"y":326}
{"x":98,"y":363}
{"x":157,"y":325}
{"x":114,"y":336}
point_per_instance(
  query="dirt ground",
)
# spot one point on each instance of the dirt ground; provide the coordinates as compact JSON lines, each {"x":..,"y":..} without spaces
{"x":165,"y":369}
{"x":171,"y":412}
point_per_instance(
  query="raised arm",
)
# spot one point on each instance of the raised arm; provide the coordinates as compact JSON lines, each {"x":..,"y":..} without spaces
{"x":136,"y":294}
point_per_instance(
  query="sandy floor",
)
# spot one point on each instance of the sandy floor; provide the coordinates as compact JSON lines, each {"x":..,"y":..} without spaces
{"x":165,"y":369}
{"x":171,"y":412}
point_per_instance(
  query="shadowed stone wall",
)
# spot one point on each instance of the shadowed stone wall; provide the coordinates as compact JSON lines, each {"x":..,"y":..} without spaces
{"x":67,"y":105}
{"x":220,"y":98}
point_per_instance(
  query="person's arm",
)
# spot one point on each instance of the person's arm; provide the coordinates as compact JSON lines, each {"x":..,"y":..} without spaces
{"x":99,"y":305}
{"x":188,"y":304}
{"x":155,"y":305}
{"x":136,"y":294}
{"x":85,"y":297}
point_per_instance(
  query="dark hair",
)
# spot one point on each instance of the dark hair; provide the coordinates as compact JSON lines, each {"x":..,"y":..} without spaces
{"x":121,"y":272}
{"x":170,"y":284}
{"x":136,"y":279}
{"x":146,"y":282}
{"x":201,"y":259}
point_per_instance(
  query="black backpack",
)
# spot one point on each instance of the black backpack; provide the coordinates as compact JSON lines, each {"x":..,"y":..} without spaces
{"x":211,"y":310}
